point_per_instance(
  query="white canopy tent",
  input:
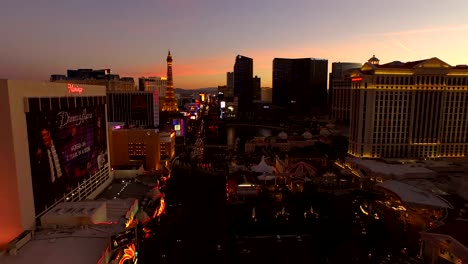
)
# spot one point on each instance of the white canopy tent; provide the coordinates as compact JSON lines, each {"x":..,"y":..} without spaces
{"x":262,"y":167}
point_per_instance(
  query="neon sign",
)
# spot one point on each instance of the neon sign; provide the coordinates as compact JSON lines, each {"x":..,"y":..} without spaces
{"x":129,"y":254}
{"x":356,"y":79}
{"x":74,"y":89}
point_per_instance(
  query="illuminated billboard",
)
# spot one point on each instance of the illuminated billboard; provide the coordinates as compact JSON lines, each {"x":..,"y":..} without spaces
{"x":67,"y":146}
{"x":179,"y":126}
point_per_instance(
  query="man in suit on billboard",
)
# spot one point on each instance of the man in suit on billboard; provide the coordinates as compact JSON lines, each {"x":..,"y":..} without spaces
{"x":48,"y":173}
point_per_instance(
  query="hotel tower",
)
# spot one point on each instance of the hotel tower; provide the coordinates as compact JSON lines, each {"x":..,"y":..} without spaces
{"x":416,"y":109}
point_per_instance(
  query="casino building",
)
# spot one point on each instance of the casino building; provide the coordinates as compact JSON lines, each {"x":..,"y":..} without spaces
{"x":416,"y":109}
{"x":53,"y":148}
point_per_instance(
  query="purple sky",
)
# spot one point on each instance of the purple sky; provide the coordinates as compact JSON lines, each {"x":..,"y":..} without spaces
{"x":43,"y":37}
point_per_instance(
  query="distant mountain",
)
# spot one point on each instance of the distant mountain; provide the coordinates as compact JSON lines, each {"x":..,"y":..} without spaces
{"x":196,"y":91}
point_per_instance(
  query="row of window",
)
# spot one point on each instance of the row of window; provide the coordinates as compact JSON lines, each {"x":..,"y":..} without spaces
{"x":419,"y":151}
{"x":425,"y":88}
{"x":137,"y":149}
{"x":422,"y":80}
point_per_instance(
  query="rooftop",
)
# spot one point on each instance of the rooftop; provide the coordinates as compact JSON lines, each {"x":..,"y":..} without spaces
{"x":72,"y":246}
{"x":415,"y":196}
{"x":396,"y":170}
{"x":68,"y":244}
{"x":399,"y":64}
{"x":457,"y":229}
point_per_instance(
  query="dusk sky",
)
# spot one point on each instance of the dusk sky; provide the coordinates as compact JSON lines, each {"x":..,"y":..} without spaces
{"x":43,"y":37}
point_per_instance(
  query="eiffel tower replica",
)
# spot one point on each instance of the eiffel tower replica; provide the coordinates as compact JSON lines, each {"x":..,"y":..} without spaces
{"x":170,"y":102}
{"x":169,"y":108}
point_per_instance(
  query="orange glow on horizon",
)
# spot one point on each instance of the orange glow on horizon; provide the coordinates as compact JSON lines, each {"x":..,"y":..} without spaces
{"x":202,"y":70}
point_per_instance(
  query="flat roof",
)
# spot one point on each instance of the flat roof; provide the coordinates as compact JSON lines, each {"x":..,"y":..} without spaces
{"x":457,"y":229}
{"x":70,"y":246}
{"x":124,"y":189}
{"x":397,"y":170}
{"x":74,"y":244}
{"x":412,"y":195}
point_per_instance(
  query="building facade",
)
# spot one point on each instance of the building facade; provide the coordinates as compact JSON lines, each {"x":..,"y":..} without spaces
{"x":167,"y":145}
{"x":339,"y":91}
{"x":416,"y":109}
{"x":135,"y":146}
{"x":53,"y":146}
{"x":300,"y":85}
{"x":229,"y":84}
{"x":257,"y":88}
{"x":243,"y":83}
{"x":113,"y":82}
{"x":150,"y":84}
{"x":138,"y":108}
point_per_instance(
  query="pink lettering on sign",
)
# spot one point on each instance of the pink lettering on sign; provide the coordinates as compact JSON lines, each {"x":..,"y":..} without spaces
{"x":74,"y":89}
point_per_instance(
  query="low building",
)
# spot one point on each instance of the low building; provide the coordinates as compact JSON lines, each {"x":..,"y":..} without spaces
{"x":72,"y":228}
{"x":167,"y":146}
{"x":135,"y":147}
{"x":447,"y":243}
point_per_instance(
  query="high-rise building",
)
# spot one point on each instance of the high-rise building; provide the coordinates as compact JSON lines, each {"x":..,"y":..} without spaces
{"x":113,"y":82}
{"x":243,"y":83}
{"x":417,"y":109}
{"x":222,"y":90}
{"x":133,"y":107}
{"x":170,"y":101}
{"x":230,"y":84}
{"x":53,"y":149}
{"x":339,"y":91}
{"x":257,"y":88}
{"x":300,"y":85}
{"x":153,"y":83}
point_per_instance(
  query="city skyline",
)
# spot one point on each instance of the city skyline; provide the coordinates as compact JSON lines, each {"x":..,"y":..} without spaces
{"x":132,"y":39}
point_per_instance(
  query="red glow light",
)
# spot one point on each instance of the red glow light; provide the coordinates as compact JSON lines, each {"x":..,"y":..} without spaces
{"x":74,"y":89}
{"x":105,"y":223}
{"x":356,"y":79}
{"x":103,"y":256}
